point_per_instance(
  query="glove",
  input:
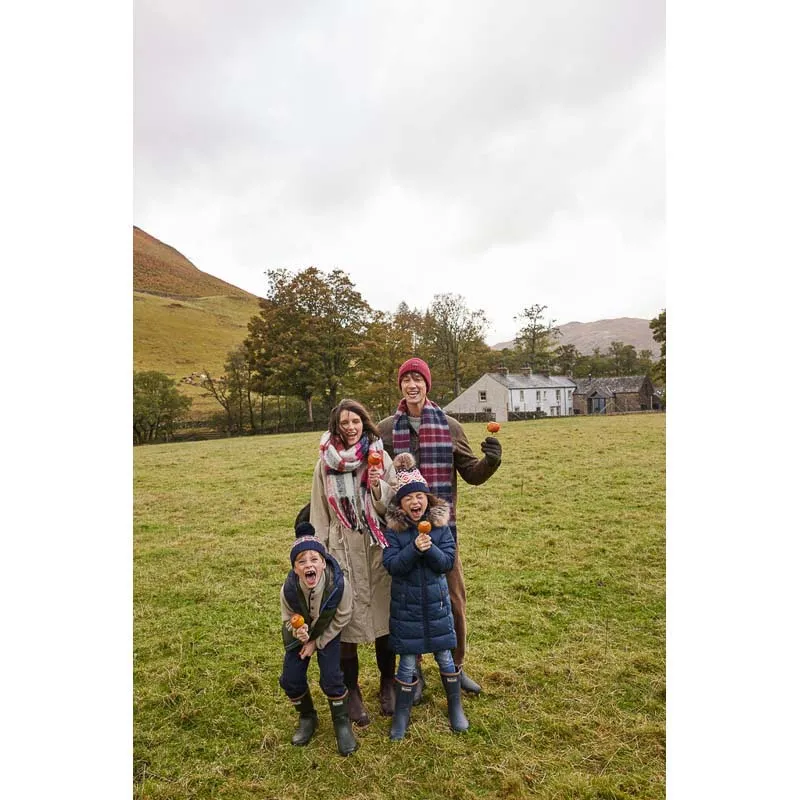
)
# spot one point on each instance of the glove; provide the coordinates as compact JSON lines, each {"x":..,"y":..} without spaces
{"x":492,"y":449}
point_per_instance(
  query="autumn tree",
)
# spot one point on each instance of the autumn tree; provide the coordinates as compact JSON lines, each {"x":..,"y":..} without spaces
{"x":237,"y":391}
{"x":157,"y":406}
{"x":454,"y":334}
{"x":387,"y":343}
{"x":304,"y":338}
{"x":565,"y":359}
{"x":659,"y":327}
{"x":623,"y":359}
{"x":536,"y":338}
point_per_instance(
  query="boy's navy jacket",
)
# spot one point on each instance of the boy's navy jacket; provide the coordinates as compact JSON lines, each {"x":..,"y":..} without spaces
{"x":331,"y":597}
{"x":420,"y":617}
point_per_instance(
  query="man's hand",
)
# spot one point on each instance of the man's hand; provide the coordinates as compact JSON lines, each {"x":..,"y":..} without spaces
{"x":492,"y":449}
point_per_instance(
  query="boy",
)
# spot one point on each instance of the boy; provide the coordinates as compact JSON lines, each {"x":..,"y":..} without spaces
{"x":420,"y":616}
{"x":317,"y":590}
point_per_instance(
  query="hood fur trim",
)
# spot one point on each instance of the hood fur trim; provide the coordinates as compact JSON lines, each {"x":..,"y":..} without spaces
{"x":438,"y":514}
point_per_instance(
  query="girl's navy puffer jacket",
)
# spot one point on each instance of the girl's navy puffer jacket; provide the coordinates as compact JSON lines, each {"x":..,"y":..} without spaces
{"x":420,"y":617}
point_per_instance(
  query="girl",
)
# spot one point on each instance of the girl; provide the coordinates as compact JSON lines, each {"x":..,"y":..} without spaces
{"x":421,"y":551}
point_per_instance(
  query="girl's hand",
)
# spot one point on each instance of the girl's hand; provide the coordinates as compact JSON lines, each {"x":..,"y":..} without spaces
{"x":301,"y":633}
{"x":307,"y":650}
{"x":423,"y":542}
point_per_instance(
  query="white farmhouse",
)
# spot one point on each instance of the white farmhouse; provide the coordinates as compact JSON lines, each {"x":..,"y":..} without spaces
{"x":499,"y":393}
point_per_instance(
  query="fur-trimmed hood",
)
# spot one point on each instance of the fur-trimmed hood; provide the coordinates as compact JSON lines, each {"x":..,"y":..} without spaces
{"x":437,"y":513}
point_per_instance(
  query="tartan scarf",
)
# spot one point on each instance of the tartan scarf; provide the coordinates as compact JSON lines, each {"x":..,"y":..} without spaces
{"x":435,"y":459}
{"x":346,"y":486}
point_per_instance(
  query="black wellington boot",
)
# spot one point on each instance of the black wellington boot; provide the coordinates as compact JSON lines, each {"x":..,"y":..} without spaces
{"x":308,"y":721}
{"x":467,"y":684}
{"x":342,"y":726}
{"x":452,"y":686}
{"x":358,"y":714}
{"x":403,"y":700}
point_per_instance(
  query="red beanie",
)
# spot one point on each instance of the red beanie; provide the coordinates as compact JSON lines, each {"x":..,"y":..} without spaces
{"x":415,"y":365}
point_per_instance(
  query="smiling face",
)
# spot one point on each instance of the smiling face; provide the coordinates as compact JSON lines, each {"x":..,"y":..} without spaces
{"x":351,"y":427}
{"x":414,"y":505}
{"x":415,"y":392}
{"x":309,"y":567}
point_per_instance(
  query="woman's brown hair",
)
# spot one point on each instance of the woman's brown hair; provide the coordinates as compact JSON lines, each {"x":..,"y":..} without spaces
{"x":347,"y":404}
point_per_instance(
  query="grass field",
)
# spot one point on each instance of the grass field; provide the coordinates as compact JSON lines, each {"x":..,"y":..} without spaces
{"x":564,"y":558}
{"x":179,"y":337}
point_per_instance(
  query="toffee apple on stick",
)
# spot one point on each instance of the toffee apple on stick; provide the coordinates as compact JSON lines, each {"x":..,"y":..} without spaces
{"x":493,"y":427}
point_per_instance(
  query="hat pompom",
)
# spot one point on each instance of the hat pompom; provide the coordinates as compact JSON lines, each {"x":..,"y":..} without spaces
{"x":404,"y":461}
{"x":305,"y":529}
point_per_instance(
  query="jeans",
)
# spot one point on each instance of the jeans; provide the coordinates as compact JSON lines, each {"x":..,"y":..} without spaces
{"x":408,"y":665}
{"x":294,"y":680}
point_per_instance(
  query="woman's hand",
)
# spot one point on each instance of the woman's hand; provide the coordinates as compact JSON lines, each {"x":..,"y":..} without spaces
{"x":374,"y":474}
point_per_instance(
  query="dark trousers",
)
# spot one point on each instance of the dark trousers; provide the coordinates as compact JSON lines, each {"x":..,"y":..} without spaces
{"x":294,"y":678}
{"x":458,"y":603}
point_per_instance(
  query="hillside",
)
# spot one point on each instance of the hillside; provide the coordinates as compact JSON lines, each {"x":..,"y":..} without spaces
{"x":586,"y":336}
{"x":184,"y":320}
{"x":161,"y":269}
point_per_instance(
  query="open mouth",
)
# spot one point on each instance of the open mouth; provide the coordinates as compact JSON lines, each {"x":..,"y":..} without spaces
{"x":310,"y":576}
{"x":415,"y":513}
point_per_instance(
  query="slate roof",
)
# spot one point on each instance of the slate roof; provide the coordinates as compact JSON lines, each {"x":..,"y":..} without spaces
{"x":608,"y":387}
{"x":533,"y":381}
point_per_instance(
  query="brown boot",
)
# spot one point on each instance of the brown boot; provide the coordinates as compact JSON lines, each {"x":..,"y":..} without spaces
{"x":356,"y":711}
{"x":386,"y":695}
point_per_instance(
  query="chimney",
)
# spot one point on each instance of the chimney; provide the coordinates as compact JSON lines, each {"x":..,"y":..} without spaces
{"x":526,"y":371}
{"x":503,"y":370}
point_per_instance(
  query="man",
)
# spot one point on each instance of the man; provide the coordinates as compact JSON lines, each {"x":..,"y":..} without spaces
{"x":441,"y":449}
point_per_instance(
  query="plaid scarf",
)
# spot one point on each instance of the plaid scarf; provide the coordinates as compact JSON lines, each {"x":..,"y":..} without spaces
{"x":435,"y":458}
{"x":346,"y":487}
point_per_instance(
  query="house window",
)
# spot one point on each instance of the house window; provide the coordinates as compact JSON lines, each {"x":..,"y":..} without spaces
{"x":558,"y":395}
{"x":521,"y":395}
{"x":482,"y":397}
{"x":538,"y":397}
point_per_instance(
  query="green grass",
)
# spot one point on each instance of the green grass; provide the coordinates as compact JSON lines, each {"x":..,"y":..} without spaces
{"x":179,"y":337}
{"x":564,"y":558}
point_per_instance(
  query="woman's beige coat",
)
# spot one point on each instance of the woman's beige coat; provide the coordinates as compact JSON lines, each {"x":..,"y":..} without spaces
{"x":360,"y":559}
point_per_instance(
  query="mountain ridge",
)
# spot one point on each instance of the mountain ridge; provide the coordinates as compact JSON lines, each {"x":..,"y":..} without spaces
{"x":588,"y":336}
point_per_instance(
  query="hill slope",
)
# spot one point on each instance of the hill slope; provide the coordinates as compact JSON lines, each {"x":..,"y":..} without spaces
{"x":184,"y":320}
{"x":161,"y":269}
{"x":588,"y":335}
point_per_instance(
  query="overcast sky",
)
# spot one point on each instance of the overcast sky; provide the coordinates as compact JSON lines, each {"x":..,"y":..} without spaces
{"x":509,"y":152}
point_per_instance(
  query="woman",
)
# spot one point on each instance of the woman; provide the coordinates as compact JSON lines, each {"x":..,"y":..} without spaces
{"x":348,"y":498}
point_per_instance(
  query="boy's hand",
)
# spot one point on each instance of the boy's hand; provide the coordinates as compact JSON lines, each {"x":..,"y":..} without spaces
{"x":423,"y":542}
{"x":307,"y":650}
{"x":301,"y":633}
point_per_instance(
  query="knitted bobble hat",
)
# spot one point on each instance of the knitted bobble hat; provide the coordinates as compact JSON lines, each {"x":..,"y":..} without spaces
{"x":415,"y":365}
{"x":409,"y":478}
{"x":306,"y":539}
